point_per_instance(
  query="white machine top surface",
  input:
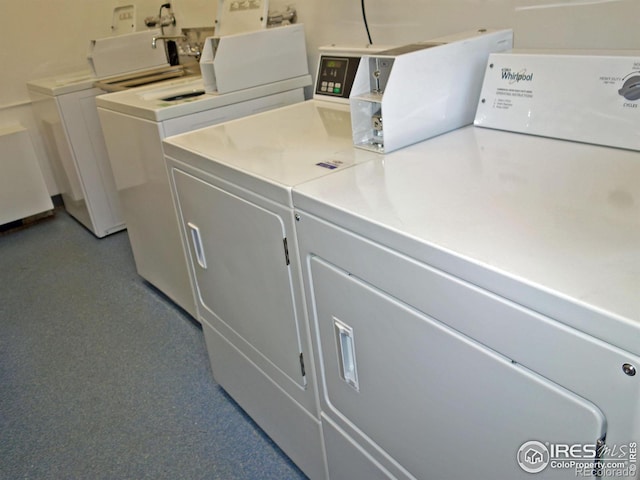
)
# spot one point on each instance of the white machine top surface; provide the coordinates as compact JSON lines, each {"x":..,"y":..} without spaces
{"x":155,"y":101}
{"x":551,"y":224}
{"x":62,"y":84}
{"x":286,"y":147}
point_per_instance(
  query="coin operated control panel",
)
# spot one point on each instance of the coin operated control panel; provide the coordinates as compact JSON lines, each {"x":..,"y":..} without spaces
{"x":408,"y":94}
{"x":337,"y":68}
{"x":335,"y":76}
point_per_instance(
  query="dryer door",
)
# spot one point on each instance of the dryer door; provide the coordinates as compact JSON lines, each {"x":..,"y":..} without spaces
{"x":419,"y":394}
{"x":243,"y":279}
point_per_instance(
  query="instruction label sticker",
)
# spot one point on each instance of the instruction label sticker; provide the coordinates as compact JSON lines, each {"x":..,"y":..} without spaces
{"x":505,"y":97}
{"x":516,"y":86}
{"x":572,"y":96}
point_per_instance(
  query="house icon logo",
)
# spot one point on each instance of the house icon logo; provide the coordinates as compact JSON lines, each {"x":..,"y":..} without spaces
{"x":533,"y":457}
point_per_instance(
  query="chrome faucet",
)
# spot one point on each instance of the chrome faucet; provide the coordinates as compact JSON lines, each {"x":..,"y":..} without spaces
{"x":166,"y":37}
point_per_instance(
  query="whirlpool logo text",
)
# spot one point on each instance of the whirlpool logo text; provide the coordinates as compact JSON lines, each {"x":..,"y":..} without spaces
{"x":516,"y":77}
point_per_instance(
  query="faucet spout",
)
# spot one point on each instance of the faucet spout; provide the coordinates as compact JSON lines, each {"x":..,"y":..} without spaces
{"x":166,"y":37}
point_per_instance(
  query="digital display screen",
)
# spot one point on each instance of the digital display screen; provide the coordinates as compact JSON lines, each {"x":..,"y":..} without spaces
{"x":333,"y":76}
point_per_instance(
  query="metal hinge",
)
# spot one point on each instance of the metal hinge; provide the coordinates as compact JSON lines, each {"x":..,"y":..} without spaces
{"x":601,"y":448}
{"x":286,"y":250}
{"x":302,"y":365}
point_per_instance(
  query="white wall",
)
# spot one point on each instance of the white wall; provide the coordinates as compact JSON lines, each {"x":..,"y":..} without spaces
{"x":41,"y":38}
{"x":559,"y":24}
{"x":44,"y":37}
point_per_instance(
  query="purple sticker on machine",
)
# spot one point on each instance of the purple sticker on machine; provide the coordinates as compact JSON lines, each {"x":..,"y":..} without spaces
{"x":327,"y":165}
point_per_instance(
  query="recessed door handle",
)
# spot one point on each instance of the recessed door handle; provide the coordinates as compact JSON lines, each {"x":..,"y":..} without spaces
{"x":197,"y":244}
{"x":346,"y":353}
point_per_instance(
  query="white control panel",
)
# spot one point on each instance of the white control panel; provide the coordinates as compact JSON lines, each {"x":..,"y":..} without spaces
{"x":590,"y":97}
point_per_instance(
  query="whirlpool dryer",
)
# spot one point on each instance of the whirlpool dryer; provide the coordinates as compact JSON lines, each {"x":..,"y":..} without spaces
{"x":232,"y":187}
{"x":493,"y":295}
{"x":232,"y":191}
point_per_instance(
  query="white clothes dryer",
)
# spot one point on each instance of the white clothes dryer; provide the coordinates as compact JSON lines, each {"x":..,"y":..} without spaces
{"x":482,"y":285}
{"x":232,"y":188}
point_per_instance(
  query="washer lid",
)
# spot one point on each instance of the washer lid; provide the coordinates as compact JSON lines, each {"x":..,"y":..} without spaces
{"x":65,"y":83}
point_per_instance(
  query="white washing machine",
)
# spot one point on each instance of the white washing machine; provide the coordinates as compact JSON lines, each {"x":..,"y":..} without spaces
{"x":66,"y":110}
{"x":134,"y":122}
{"x":474,"y":307}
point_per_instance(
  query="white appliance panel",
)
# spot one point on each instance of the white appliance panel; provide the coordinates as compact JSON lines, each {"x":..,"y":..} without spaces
{"x":142,"y":188}
{"x":242,"y":270}
{"x":563,"y":355}
{"x":68,"y":119}
{"x":236,"y":62}
{"x":92,"y":163}
{"x":242,"y":108}
{"x":405,"y":95}
{"x":526,"y":217}
{"x":56,"y":144}
{"x":348,"y":460}
{"x":129,"y":52}
{"x":71,"y":129}
{"x":286,"y":147}
{"x":289,"y":424}
{"x":233,"y":17}
{"x":522,"y":245}
{"x":59,"y":85}
{"x":177,"y":98}
{"x":251,"y":305}
{"x":23,"y":191}
{"x":583,"y":96}
{"x":418,"y":377}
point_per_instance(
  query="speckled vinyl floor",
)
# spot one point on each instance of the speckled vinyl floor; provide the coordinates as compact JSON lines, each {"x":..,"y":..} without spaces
{"x":101,"y":377}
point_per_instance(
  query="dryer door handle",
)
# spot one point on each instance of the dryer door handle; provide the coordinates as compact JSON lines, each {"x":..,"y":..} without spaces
{"x":346,"y":353}
{"x":197,"y":244}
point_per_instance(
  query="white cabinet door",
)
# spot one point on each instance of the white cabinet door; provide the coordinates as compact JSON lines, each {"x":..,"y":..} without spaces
{"x":243,"y":279}
{"x":436,"y":402}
